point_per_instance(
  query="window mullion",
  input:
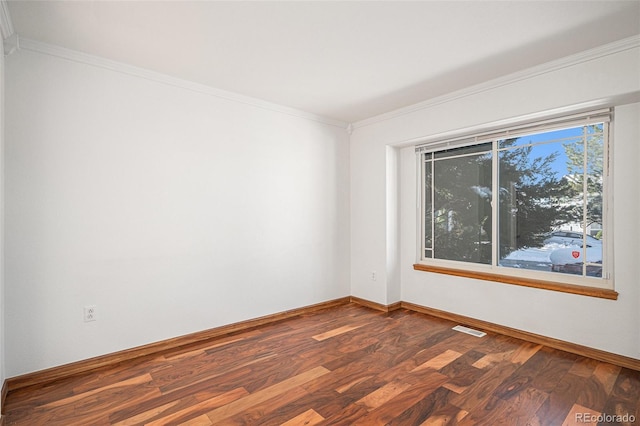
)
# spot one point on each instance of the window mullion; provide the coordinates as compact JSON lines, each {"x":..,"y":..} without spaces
{"x":433,"y":227}
{"x":495,"y":200}
{"x":420,"y":206}
{"x":607,"y":258}
{"x":585,"y":188}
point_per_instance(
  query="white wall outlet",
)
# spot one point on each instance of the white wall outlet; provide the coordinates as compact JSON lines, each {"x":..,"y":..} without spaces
{"x":90,"y":313}
{"x":373,"y":276}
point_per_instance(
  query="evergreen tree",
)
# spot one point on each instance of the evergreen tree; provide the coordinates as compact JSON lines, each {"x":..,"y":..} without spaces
{"x":532,"y":198}
{"x":462,"y":209}
{"x":531,"y":202}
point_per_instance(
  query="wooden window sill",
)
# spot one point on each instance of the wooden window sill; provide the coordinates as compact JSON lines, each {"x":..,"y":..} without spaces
{"x":526,"y":282}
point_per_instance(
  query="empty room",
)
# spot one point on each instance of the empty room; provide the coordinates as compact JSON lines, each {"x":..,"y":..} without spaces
{"x":320,"y":212}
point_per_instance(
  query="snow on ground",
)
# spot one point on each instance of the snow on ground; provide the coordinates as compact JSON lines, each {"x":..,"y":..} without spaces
{"x":543,"y":258}
{"x":535,"y":254}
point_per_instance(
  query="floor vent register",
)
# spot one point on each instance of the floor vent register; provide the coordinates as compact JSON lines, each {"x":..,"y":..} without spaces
{"x":471,"y":331}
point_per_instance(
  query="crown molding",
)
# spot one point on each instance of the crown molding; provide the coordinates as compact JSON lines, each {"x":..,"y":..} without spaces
{"x":10,"y":46}
{"x":6,"y":26}
{"x":84,"y":58}
{"x":72,"y":55}
{"x":579,"y":58}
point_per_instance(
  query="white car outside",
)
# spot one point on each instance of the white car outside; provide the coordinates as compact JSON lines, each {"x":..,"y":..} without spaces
{"x":570,"y":260}
{"x":569,"y":255}
{"x":571,"y":238}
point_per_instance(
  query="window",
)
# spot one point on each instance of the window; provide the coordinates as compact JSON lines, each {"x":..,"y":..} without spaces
{"x":526,"y":202}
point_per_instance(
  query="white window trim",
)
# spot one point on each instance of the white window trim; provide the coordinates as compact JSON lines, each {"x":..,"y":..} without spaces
{"x":606,"y":283}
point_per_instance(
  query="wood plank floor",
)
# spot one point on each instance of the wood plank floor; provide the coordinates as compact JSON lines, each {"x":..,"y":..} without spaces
{"x":343,"y":366}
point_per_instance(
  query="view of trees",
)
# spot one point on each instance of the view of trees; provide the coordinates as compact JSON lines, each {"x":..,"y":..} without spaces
{"x":594,"y":170}
{"x":534,"y":199}
{"x":462,"y":209}
{"x":530,"y":199}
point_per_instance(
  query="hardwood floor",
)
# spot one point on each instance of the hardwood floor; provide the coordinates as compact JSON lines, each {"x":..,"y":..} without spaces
{"x":348,"y":365}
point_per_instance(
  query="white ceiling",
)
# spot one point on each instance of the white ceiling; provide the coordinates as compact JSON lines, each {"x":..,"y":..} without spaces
{"x":344,"y":60}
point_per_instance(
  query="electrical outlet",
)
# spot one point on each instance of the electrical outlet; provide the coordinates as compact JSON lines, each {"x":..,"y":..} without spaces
{"x":90,"y":313}
{"x":373,"y":276}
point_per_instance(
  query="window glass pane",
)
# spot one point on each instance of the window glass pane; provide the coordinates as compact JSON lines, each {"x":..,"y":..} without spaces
{"x":543,"y":206}
{"x":535,"y":198}
{"x":462,"y":208}
{"x":585,"y":173}
{"x":594,"y":176}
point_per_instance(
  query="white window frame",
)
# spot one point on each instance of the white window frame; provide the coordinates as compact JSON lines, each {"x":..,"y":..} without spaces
{"x":494,"y":272}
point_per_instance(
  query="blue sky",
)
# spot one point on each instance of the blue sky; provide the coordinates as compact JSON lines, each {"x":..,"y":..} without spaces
{"x":565,"y":135}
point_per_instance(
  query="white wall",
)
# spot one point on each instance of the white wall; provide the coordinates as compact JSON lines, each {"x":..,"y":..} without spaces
{"x":175,"y":211}
{"x":608,"y":325}
{"x":172,"y":211}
